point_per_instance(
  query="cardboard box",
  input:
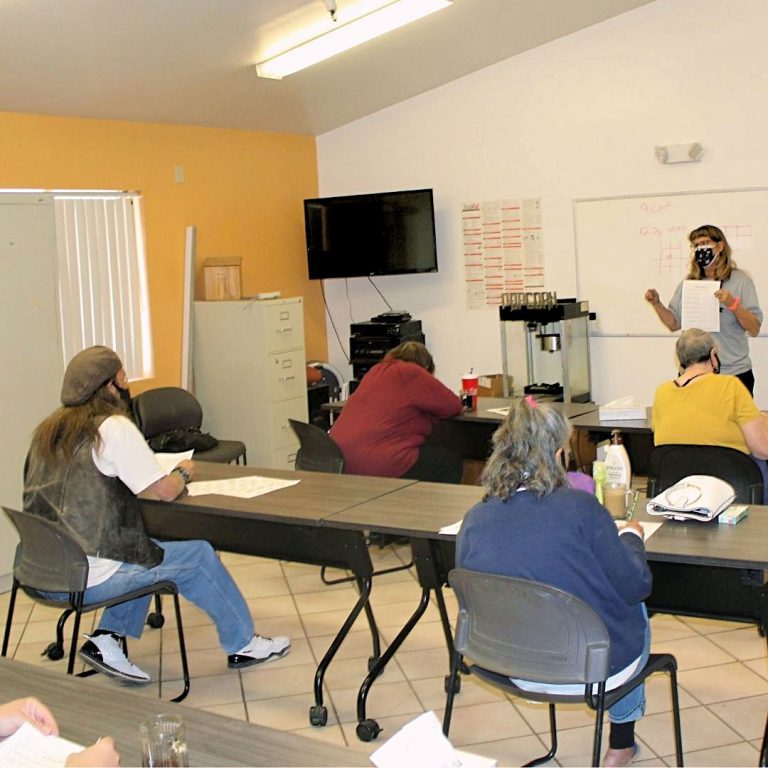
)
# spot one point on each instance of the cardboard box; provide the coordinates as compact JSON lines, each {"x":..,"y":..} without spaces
{"x":222,"y":279}
{"x":492,"y":385}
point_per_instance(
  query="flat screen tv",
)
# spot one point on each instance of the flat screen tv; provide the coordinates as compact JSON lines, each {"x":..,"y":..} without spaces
{"x":388,"y":233}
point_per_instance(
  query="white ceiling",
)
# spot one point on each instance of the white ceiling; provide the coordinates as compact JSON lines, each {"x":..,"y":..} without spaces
{"x":191,"y":61}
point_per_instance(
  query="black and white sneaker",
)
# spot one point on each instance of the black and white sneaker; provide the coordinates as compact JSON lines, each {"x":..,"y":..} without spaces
{"x":105,"y":653}
{"x":259,"y":651}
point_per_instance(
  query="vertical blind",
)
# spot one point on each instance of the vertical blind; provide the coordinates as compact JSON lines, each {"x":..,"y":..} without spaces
{"x":103,"y":296}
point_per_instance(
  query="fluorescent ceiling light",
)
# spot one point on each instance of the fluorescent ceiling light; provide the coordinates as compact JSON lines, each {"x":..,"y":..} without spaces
{"x":345,"y":36}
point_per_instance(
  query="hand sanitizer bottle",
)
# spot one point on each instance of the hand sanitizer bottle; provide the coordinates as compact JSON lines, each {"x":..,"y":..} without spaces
{"x":617,"y":466}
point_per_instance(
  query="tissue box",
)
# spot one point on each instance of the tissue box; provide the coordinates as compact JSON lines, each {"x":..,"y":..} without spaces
{"x":622,"y":409}
{"x":733,"y":514}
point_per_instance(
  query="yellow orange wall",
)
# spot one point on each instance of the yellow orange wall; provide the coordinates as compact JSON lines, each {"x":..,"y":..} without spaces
{"x":243,"y":191}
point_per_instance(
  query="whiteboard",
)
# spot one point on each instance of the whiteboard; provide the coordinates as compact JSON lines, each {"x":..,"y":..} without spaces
{"x":625,"y":245}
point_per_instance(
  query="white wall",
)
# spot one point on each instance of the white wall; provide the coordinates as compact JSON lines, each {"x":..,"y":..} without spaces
{"x":576,"y":118}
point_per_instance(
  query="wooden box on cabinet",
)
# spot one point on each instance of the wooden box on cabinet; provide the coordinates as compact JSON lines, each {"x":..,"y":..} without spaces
{"x":249,"y":375}
{"x":222,"y":279}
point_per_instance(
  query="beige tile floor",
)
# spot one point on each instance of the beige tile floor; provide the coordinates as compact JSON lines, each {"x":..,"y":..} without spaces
{"x":723,"y":673}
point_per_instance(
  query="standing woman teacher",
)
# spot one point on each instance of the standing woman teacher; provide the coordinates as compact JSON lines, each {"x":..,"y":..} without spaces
{"x":740,"y":313}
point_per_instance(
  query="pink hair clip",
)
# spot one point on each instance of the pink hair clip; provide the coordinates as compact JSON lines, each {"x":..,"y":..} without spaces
{"x":531,"y":401}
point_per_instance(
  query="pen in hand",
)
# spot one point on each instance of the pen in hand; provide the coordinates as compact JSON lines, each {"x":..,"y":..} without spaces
{"x":631,"y":510}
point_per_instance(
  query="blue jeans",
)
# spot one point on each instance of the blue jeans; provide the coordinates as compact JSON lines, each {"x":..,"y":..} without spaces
{"x":632,"y":706}
{"x":196,"y":570}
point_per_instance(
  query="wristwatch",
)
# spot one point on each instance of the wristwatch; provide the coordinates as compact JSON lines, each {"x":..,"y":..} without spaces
{"x":183,"y":472}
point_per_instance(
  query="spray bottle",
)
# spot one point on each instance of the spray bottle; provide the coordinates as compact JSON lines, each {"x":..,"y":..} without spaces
{"x":617,"y":466}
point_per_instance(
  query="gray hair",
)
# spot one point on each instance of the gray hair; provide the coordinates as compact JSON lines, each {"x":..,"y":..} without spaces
{"x":524,"y":448}
{"x":694,"y":346}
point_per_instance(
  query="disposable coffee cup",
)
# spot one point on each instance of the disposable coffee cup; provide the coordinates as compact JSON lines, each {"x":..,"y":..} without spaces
{"x":616,"y":499}
{"x":163,"y":742}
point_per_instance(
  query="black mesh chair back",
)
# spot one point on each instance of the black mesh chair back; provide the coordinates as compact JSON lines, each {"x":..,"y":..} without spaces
{"x":515,"y":628}
{"x":317,"y":450}
{"x":165,"y":409}
{"x":668,"y":464}
{"x":48,"y":559}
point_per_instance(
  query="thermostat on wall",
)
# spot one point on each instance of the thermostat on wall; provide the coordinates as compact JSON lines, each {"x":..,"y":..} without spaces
{"x":268,"y":295}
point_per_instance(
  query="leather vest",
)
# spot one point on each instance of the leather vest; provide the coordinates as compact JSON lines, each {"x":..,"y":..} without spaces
{"x":101,"y":513}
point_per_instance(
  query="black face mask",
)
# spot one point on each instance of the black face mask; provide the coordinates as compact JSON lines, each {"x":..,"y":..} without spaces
{"x":564,"y":461}
{"x":716,"y":363}
{"x":124,"y":394}
{"x":704,"y":255}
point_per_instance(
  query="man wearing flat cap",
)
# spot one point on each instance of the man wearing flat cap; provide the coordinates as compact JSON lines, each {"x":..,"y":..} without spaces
{"x":86,"y":464}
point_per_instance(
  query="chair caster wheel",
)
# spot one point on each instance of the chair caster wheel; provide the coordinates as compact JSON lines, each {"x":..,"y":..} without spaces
{"x":372,"y":662}
{"x":318,"y":715}
{"x":447,"y":684}
{"x":155,"y":620}
{"x":368,"y":730}
{"x":54,"y":652}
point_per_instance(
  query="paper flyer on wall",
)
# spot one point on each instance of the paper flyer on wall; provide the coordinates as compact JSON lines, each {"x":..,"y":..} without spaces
{"x":503,"y":249}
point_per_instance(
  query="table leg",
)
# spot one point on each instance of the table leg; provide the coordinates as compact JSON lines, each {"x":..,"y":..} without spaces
{"x":433,"y":561}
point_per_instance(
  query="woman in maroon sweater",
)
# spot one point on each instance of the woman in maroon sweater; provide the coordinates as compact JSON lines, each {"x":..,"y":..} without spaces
{"x":383,"y":427}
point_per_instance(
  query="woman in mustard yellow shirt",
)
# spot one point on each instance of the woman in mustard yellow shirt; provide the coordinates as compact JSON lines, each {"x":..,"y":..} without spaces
{"x":701,"y":408}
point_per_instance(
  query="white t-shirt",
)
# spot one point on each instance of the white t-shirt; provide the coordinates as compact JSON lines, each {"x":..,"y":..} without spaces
{"x":123,"y":453}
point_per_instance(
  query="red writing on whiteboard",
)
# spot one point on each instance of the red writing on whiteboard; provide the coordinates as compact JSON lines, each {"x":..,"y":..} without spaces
{"x":654,"y":207}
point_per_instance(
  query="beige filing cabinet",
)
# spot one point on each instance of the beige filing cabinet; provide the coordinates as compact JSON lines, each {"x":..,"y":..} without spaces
{"x":250,"y":375}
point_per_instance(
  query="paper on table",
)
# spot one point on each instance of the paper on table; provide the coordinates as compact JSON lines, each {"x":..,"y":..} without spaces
{"x":169,"y":460}
{"x":421,"y":742}
{"x":648,"y":528}
{"x":242,"y":487}
{"x":29,"y":748}
{"x":501,"y":411}
{"x":700,"y":308}
{"x":452,"y":528}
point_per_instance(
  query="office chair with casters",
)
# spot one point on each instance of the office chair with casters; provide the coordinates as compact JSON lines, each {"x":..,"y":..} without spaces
{"x":512,"y":627}
{"x":319,"y":453}
{"x":317,"y":450}
{"x":48,"y":559}
{"x":166,"y":409}
{"x":668,"y":464}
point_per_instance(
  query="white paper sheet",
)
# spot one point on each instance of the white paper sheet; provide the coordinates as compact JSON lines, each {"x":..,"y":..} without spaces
{"x":501,"y":411}
{"x":29,"y":748}
{"x":169,"y":460}
{"x":453,"y":528}
{"x":421,"y":742}
{"x":648,"y":528}
{"x":242,"y":487}
{"x":700,"y":308}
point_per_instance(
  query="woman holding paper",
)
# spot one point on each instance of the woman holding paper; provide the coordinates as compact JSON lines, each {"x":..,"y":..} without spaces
{"x":16,"y":713}
{"x":531,"y":525}
{"x":740,"y":313}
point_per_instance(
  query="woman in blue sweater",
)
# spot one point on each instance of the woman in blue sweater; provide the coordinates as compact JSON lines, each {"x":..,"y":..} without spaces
{"x":531,"y":525}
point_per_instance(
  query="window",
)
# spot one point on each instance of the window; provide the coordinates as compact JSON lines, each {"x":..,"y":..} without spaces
{"x":103,"y":294}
